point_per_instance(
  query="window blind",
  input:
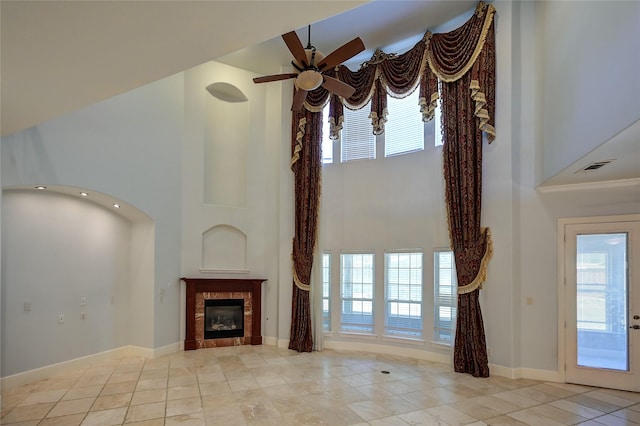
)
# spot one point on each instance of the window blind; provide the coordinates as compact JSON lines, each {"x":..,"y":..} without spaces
{"x":357,"y":288}
{"x":403,"y":276}
{"x":404,"y":129}
{"x":445,"y":295}
{"x":327,"y":144}
{"x":358,"y":140}
{"x":326,"y":290}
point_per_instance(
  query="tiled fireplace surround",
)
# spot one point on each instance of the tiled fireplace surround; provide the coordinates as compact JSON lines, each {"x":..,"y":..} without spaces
{"x":200,"y":289}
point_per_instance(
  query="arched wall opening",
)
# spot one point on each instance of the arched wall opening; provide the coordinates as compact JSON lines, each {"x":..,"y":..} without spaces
{"x":77,"y":277}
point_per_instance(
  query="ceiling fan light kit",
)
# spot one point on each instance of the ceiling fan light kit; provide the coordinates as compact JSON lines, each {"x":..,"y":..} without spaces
{"x":310,"y":64}
{"x":309,"y":80}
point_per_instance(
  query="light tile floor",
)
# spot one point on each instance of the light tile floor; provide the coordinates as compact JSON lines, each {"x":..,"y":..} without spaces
{"x":263,"y":385}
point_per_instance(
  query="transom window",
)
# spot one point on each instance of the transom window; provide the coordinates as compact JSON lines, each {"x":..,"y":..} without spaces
{"x":357,"y":139}
{"x":404,"y":129}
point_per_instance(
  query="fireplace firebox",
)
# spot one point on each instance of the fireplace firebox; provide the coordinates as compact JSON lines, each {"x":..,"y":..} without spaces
{"x":223,"y":318}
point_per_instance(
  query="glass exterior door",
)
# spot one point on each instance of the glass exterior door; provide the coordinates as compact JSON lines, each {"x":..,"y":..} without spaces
{"x":602,"y":300}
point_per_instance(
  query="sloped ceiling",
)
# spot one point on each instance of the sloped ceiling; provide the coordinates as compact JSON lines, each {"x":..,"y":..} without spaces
{"x":58,"y":56}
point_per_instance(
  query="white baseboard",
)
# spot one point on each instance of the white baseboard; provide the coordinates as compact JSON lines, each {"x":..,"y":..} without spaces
{"x":496,"y":370}
{"x":47,"y":371}
{"x":34,"y":375}
{"x":526,"y":373}
{"x":269,"y":340}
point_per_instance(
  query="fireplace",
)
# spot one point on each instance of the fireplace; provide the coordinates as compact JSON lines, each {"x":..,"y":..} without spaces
{"x":202,"y":294}
{"x":223,"y":318}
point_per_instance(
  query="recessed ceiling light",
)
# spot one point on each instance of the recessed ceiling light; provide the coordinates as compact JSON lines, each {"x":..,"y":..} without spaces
{"x":41,"y":187}
{"x":84,"y":194}
{"x":117,"y":206}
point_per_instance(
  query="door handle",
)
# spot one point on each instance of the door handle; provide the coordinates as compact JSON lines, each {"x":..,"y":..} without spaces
{"x":635,"y":327}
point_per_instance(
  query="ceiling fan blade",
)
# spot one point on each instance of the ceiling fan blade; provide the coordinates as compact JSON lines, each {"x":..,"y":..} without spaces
{"x":295,"y":47}
{"x":275,"y":77}
{"x":341,"y":54}
{"x":298,"y":99}
{"x":338,"y":87}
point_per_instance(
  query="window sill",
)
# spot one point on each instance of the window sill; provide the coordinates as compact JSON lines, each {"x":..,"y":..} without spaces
{"x":358,"y":335}
{"x":442,"y":345}
{"x":402,"y":339}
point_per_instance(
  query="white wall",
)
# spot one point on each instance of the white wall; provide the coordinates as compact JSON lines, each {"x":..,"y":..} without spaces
{"x":257,"y":217}
{"x":386,"y":203}
{"x":128,"y":147}
{"x":145,"y":147}
{"x":398,"y":202}
{"x":535,"y":213}
{"x":58,"y":249}
{"x":591,"y":71}
{"x":362,"y":212}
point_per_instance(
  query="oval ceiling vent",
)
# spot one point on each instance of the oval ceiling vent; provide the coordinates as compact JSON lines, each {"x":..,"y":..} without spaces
{"x":226,"y":92}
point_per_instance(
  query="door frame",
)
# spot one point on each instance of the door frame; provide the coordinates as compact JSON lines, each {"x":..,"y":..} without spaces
{"x":561,"y":241}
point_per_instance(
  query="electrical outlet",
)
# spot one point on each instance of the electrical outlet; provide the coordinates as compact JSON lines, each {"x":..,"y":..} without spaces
{"x":83,"y":301}
{"x":60,"y":319}
{"x":27,"y":306}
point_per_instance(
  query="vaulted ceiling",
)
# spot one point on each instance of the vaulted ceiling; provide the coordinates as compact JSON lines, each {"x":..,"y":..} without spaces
{"x":59,"y":56}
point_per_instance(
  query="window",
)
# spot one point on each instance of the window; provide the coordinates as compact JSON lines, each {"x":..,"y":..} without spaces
{"x":404,"y":129}
{"x":403,"y":288}
{"x":445,"y":295}
{"x":327,"y":144}
{"x":326,"y":291}
{"x":437,"y":120}
{"x":358,"y":140}
{"x":356,"y":280}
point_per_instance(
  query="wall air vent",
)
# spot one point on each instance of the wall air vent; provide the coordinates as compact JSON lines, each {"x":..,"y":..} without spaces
{"x":594,"y":166}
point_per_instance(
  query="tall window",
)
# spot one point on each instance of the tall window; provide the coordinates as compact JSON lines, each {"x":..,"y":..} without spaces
{"x":357,"y":283}
{"x":357,"y":140}
{"x":404,"y":130}
{"x":445,"y":295}
{"x":437,"y":118}
{"x":403,"y":294}
{"x":326,"y":291}
{"x":327,"y":143}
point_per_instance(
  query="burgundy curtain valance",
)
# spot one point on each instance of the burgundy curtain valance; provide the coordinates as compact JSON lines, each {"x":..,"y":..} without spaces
{"x":442,"y":57}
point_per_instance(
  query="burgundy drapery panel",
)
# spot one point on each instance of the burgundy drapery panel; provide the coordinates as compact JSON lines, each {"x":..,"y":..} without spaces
{"x":306,"y":164}
{"x":464,"y":61}
{"x":467,"y":105}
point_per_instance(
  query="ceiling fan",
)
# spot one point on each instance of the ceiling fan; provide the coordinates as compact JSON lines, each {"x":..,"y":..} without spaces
{"x":311,"y":64}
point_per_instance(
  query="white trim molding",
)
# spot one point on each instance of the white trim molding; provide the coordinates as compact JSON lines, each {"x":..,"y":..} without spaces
{"x":607,"y":184}
{"x":48,"y":371}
